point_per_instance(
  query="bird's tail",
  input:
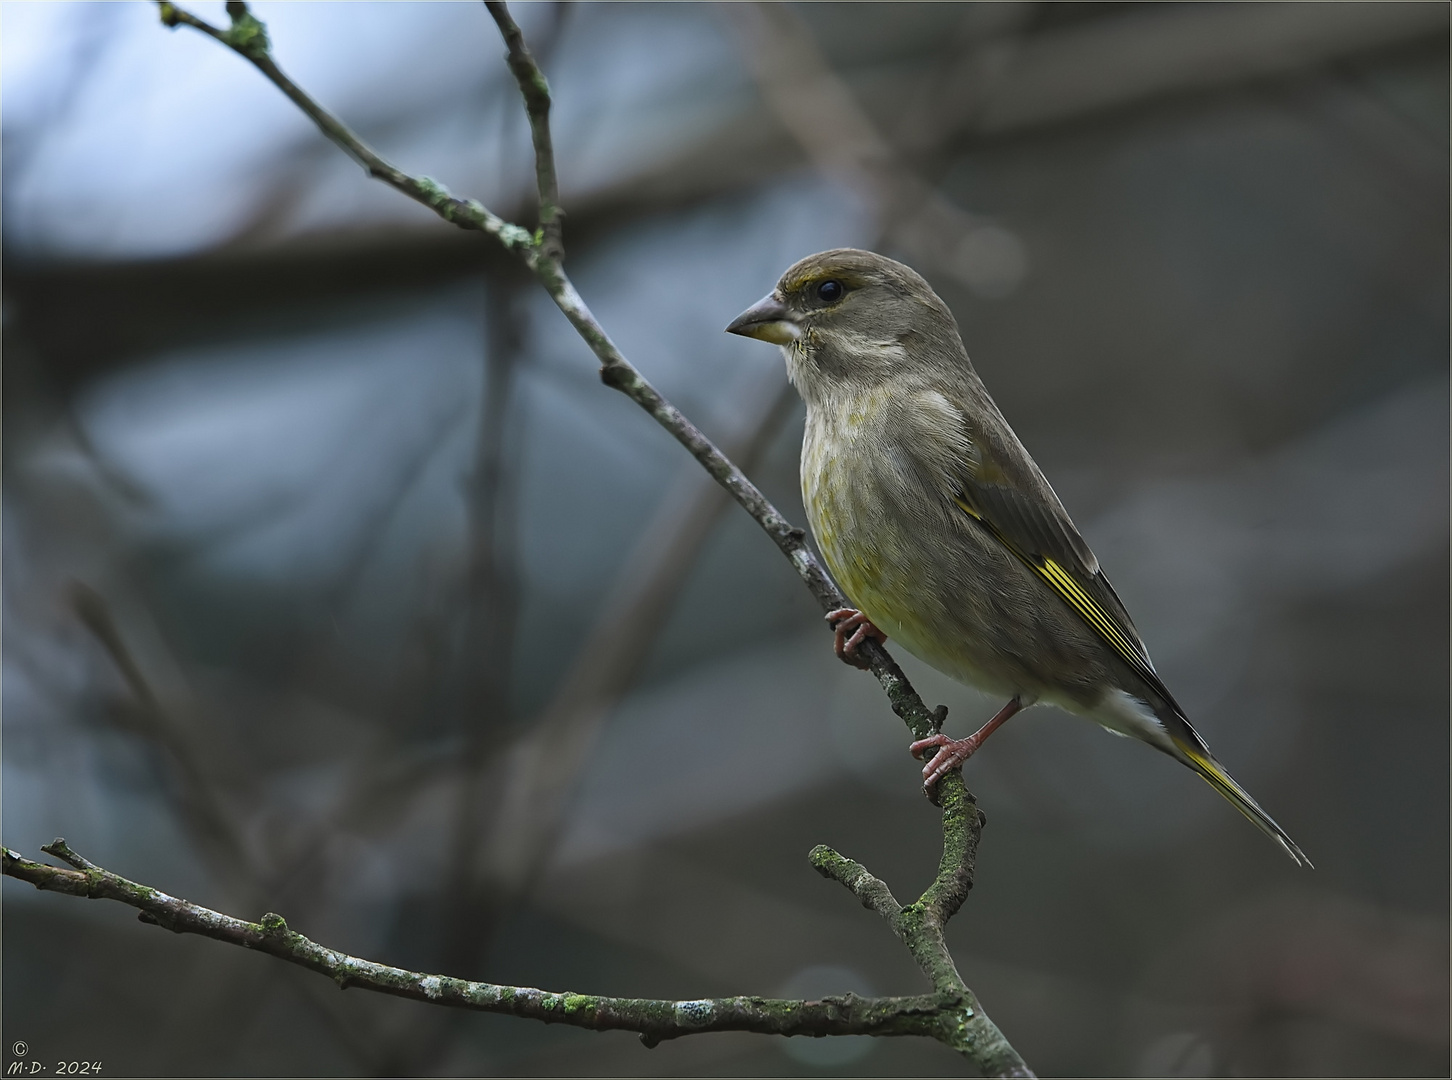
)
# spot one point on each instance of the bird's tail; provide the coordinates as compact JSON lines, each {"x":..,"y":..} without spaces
{"x":1196,"y":755}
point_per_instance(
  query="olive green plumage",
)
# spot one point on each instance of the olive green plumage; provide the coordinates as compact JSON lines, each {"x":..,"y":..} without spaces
{"x":937,"y":523}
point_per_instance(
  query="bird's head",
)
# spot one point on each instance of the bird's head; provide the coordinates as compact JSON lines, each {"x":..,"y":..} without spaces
{"x":856,"y":318}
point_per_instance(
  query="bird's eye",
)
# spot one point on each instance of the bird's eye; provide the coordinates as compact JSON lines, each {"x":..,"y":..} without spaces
{"x":830,"y":291}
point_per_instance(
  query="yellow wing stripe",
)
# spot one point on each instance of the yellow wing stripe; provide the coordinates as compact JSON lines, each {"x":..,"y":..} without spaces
{"x":1092,"y":612}
{"x":1088,"y":608}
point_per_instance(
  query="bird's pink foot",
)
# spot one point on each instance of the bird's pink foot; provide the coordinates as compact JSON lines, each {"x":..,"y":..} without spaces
{"x":852,"y":628}
{"x":953,"y":752}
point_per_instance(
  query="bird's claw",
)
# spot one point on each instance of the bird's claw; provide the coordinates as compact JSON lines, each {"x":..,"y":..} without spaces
{"x":951,"y":755}
{"x":851,"y":628}
{"x":953,"y":752}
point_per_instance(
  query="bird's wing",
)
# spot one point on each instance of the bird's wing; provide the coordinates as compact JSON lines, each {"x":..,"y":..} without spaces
{"x":1001,"y":489}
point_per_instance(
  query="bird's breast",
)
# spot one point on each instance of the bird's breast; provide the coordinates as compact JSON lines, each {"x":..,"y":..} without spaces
{"x":852,"y":486}
{"x":901,"y":551}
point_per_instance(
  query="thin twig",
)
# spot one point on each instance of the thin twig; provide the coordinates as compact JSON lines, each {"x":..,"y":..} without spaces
{"x":536,"y":91}
{"x":248,"y":38}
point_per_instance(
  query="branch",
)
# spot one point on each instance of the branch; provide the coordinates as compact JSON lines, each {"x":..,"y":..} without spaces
{"x":920,"y":927}
{"x":536,"y":92}
{"x":932,"y":1015}
{"x":248,"y":38}
{"x":953,"y":1015}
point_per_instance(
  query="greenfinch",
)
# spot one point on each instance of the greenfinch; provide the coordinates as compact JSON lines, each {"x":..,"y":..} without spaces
{"x":939,"y":527}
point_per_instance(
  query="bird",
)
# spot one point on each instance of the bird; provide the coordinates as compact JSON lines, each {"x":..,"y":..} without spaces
{"x":941,"y":530}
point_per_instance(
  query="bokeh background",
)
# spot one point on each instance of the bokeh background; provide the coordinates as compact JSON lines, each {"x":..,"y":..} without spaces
{"x":336,"y":584}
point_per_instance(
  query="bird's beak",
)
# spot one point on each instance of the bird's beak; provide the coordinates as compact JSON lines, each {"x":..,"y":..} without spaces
{"x":767,"y":320}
